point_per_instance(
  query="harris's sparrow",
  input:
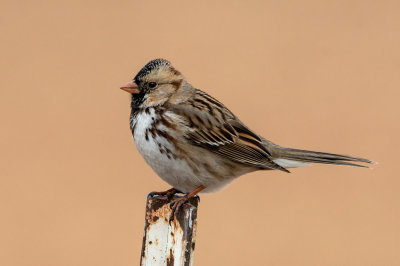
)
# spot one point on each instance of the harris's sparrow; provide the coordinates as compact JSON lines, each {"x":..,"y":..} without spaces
{"x":194,"y":143}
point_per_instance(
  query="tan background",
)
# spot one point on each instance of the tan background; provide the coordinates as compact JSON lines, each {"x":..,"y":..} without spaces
{"x":321,"y":75}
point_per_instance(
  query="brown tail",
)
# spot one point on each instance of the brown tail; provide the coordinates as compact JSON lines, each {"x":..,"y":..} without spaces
{"x":320,"y":157}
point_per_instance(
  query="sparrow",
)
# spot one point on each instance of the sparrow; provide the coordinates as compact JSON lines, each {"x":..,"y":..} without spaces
{"x":195,"y":143}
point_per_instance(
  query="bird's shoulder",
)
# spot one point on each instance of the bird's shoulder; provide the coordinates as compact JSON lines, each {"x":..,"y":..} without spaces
{"x":192,"y":103}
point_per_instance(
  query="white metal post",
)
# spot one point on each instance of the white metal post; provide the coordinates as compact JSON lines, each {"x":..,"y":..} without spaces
{"x":168,"y":242}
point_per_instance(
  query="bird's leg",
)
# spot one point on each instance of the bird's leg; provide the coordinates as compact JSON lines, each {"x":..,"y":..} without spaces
{"x":168,"y":193}
{"x":177,"y":203}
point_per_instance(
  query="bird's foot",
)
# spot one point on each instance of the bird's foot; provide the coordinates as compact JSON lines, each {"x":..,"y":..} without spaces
{"x":176,"y":204}
{"x":168,"y":193}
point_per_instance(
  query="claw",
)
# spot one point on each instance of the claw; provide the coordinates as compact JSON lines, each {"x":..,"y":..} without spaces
{"x":176,"y":205}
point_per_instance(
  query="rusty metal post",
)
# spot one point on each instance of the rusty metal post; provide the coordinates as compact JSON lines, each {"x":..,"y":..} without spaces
{"x":169,"y":243}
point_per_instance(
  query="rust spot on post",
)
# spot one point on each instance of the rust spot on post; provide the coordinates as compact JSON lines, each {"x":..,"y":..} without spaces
{"x":170,"y":258}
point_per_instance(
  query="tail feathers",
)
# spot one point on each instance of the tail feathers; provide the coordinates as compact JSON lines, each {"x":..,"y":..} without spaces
{"x":320,"y":157}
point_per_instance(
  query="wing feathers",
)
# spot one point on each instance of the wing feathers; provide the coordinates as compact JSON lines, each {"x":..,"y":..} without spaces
{"x":212,"y":126}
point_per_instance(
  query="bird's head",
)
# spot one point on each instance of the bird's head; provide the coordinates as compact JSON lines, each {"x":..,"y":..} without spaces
{"x":155,"y":83}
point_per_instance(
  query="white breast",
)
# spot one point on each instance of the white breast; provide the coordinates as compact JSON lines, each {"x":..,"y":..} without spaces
{"x":160,"y":154}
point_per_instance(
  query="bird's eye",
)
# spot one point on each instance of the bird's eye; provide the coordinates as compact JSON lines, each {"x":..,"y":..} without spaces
{"x":152,"y":84}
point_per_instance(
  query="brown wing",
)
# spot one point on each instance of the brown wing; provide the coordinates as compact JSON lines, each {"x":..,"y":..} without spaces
{"x":212,"y":126}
